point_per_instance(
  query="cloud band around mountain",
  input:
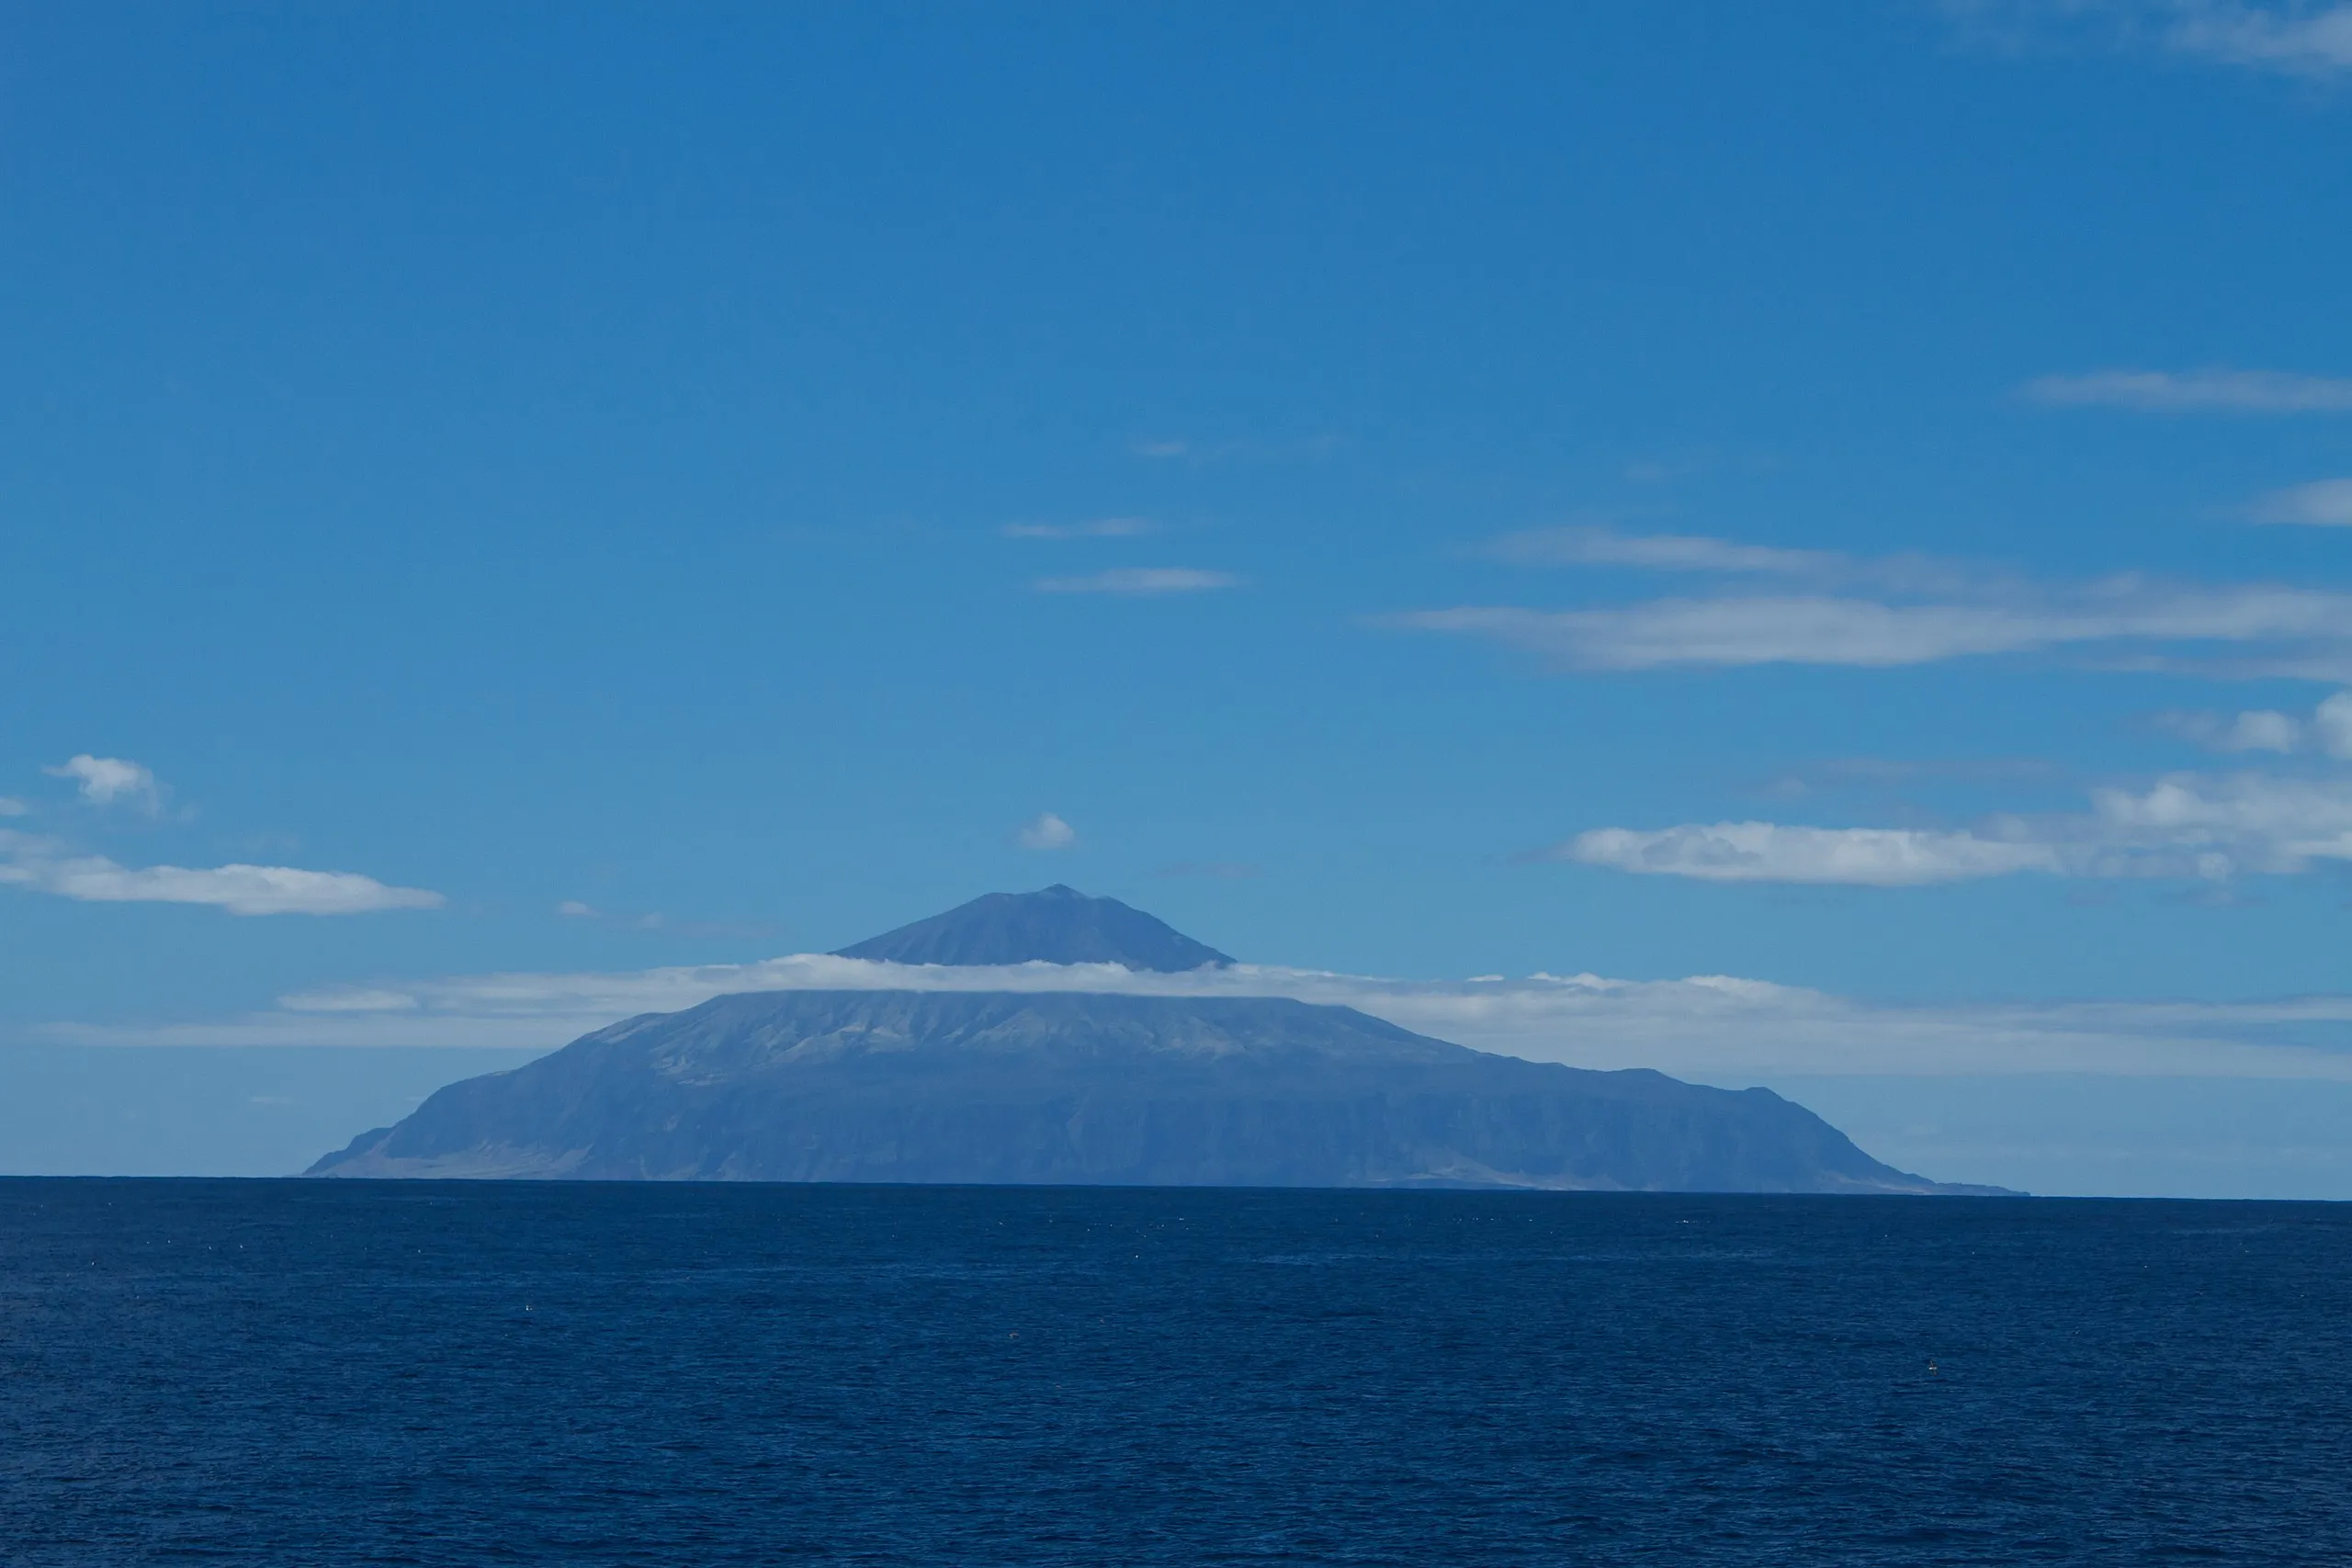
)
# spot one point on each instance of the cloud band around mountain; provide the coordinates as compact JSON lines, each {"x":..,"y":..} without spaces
{"x":1710,"y":1027}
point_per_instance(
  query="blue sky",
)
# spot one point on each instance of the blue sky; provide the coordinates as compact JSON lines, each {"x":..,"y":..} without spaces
{"x":1803,"y":493}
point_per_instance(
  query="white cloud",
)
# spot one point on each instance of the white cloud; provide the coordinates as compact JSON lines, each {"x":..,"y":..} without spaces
{"x":1100,"y":528}
{"x":1696,"y":554}
{"x":2332,"y":725}
{"x":1140,"y":580}
{"x":2327,"y":732}
{"x":1822,"y":629}
{"x":2297,"y":39}
{"x":42,"y":865}
{"x":2196,"y":824}
{"x":2260,"y":729}
{"x":1313,"y":448}
{"x":1710,"y":1027}
{"x":11,"y":806}
{"x":1918,"y":611}
{"x":2183,"y":825}
{"x":1657,"y":552}
{"x":105,"y":779}
{"x":2169,"y":391}
{"x":2310,"y":39}
{"x":1808,"y":630}
{"x":573,"y":909}
{"x":2324,"y":503}
{"x":1045,"y":831}
{"x":1772,"y":852}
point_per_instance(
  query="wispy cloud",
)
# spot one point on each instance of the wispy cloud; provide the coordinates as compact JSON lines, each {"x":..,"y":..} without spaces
{"x":1772,"y":852}
{"x":2329,"y":731}
{"x":42,"y":865}
{"x":1821,"y":629}
{"x":2257,"y":729}
{"x":2297,"y":38}
{"x":1141,"y":580}
{"x":11,"y":806}
{"x":1100,"y":528}
{"x":1045,"y":831}
{"x":2196,"y":392}
{"x":2208,"y":827}
{"x":2186,"y":824}
{"x":1908,"y":610}
{"x":573,"y":909}
{"x":2331,"y":727}
{"x":2324,"y":503}
{"x":109,"y":780}
{"x":1169,"y":449}
{"x":1656,"y":552}
{"x":348,"y":999}
{"x":1710,"y":1027}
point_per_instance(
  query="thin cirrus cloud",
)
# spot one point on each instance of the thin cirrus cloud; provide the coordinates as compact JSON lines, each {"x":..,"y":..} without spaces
{"x":1100,"y":528}
{"x":2259,"y":729}
{"x":2324,"y":503}
{"x":2326,"y":733}
{"x":1660,"y":552}
{"x":2295,"y":40}
{"x":2196,"y":392}
{"x":1706,"y":1026}
{"x":348,"y":999}
{"x":2299,"y":38}
{"x":1313,"y":448}
{"x":1831,"y":630}
{"x":42,"y":865}
{"x":1891,"y":612}
{"x":1141,"y":580}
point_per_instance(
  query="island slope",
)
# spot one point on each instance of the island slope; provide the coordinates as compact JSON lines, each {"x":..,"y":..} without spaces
{"x":1096,"y":1088}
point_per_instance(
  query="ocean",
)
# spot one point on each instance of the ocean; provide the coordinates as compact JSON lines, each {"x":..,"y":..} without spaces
{"x":291,"y":1373}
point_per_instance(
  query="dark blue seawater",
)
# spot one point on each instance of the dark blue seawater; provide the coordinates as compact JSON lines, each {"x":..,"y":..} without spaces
{"x":330,"y":1373}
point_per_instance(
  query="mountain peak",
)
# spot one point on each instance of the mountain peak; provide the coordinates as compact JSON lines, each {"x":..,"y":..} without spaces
{"x":1053,"y":925}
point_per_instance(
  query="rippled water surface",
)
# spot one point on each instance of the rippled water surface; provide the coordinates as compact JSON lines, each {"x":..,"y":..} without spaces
{"x":330,"y":1373}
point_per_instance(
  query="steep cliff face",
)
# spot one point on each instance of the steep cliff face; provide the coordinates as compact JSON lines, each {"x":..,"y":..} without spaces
{"x":983,"y":1086}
